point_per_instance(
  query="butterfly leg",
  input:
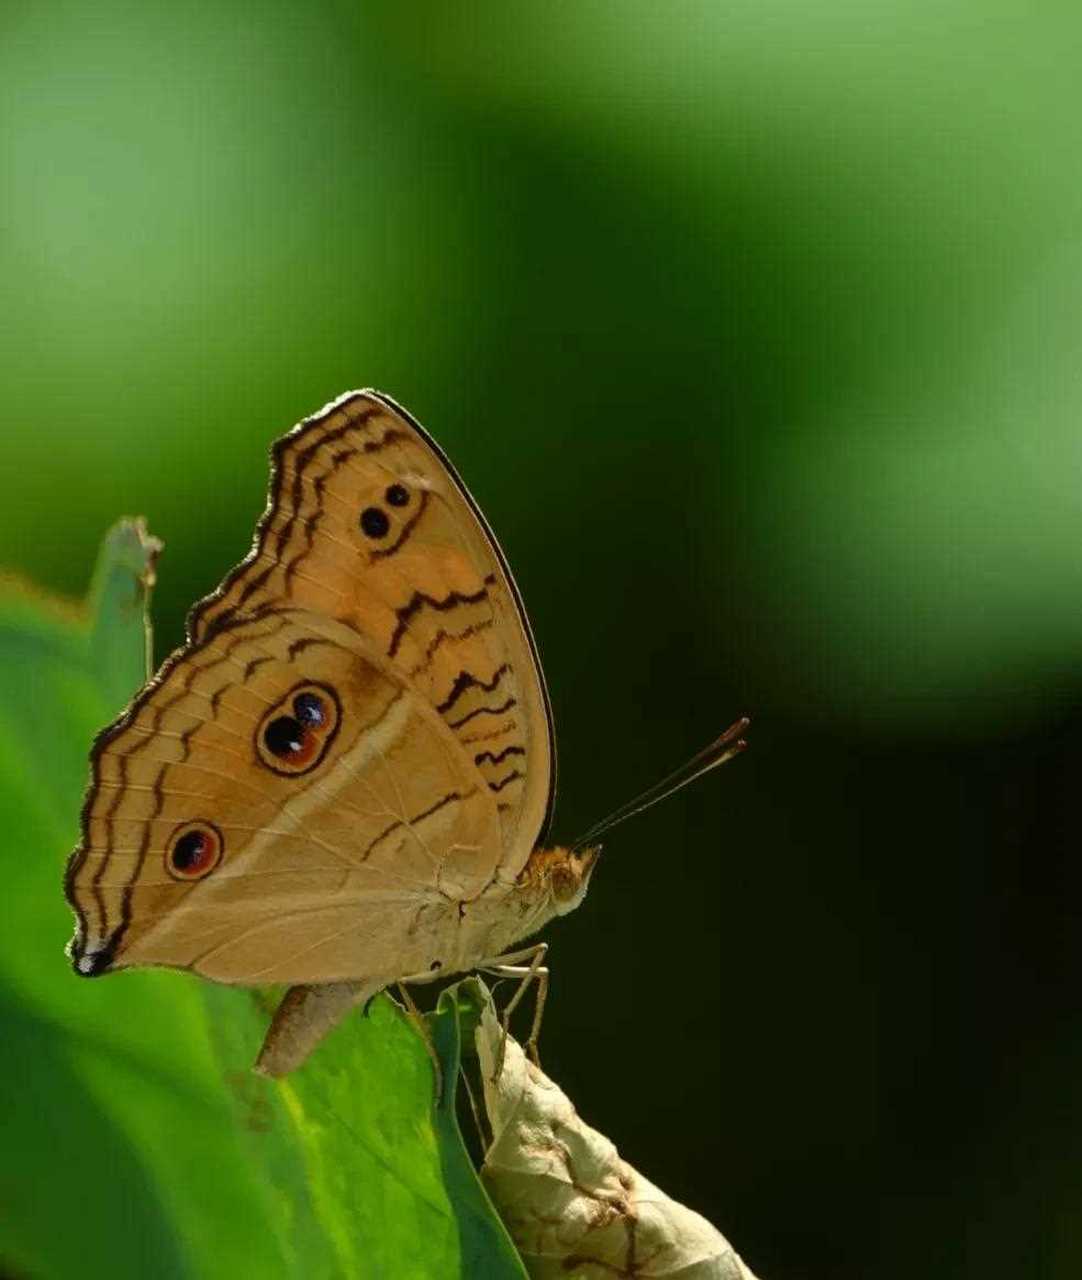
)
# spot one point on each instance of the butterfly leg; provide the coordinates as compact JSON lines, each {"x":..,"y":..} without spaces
{"x":417,"y":1018}
{"x":528,"y":975}
{"x":507,"y":967}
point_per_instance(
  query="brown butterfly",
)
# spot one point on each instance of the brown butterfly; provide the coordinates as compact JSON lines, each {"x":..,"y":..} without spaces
{"x":342,"y":779}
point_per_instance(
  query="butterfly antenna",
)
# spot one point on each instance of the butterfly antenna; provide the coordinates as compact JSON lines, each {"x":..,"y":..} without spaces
{"x":723,"y":748}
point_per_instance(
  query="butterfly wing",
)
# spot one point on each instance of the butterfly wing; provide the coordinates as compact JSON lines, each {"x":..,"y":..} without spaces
{"x":354,"y":743}
{"x":368,"y":523}
{"x":281,"y":805}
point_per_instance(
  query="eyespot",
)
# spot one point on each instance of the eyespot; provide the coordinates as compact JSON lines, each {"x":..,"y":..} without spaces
{"x":397,"y":495}
{"x":310,"y":709}
{"x":194,"y":850}
{"x":374,"y":522}
{"x":293,"y":737}
{"x":287,"y":739}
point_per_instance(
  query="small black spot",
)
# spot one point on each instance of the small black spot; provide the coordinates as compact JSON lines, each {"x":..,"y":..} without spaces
{"x":309,"y":709}
{"x":188,"y":850}
{"x":374,"y":522}
{"x":284,"y":737}
{"x":436,"y":964}
{"x":397,"y":495}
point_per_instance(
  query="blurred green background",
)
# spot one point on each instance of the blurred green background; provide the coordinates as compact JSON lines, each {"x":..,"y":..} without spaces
{"x":755,"y":328}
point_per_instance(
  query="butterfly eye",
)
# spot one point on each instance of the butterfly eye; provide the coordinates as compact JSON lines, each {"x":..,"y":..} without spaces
{"x":294,"y":735}
{"x":397,"y":495}
{"x":194,"y":850}
{"x":374,"y":522}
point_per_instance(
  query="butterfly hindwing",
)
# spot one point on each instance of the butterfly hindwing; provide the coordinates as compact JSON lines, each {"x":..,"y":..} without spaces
{"x":327,"y":867}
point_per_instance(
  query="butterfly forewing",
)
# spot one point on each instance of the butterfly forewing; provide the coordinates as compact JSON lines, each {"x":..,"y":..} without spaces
{"x":368,"y":523}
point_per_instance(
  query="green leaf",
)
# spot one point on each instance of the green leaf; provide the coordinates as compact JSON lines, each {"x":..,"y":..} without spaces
{"x":120,"y":637}
{"x":484,"y":1239}
{"x":137,"y":1139}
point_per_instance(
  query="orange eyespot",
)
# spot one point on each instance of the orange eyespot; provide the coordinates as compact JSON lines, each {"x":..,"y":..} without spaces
{"x":293,"y":736}
{"x":194,"y":850}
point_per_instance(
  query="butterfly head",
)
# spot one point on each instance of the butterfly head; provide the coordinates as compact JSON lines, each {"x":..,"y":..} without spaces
{"x":571,"y":877}
{"x":561,"y":875}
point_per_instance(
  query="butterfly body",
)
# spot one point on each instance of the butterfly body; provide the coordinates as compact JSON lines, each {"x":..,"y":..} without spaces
{"x":345,"y":774}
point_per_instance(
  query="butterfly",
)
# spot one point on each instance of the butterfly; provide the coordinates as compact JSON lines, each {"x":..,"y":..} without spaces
{"x":344,"y":778}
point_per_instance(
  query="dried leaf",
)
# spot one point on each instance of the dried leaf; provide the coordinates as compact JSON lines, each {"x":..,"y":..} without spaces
{"x":572,"y":1206}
